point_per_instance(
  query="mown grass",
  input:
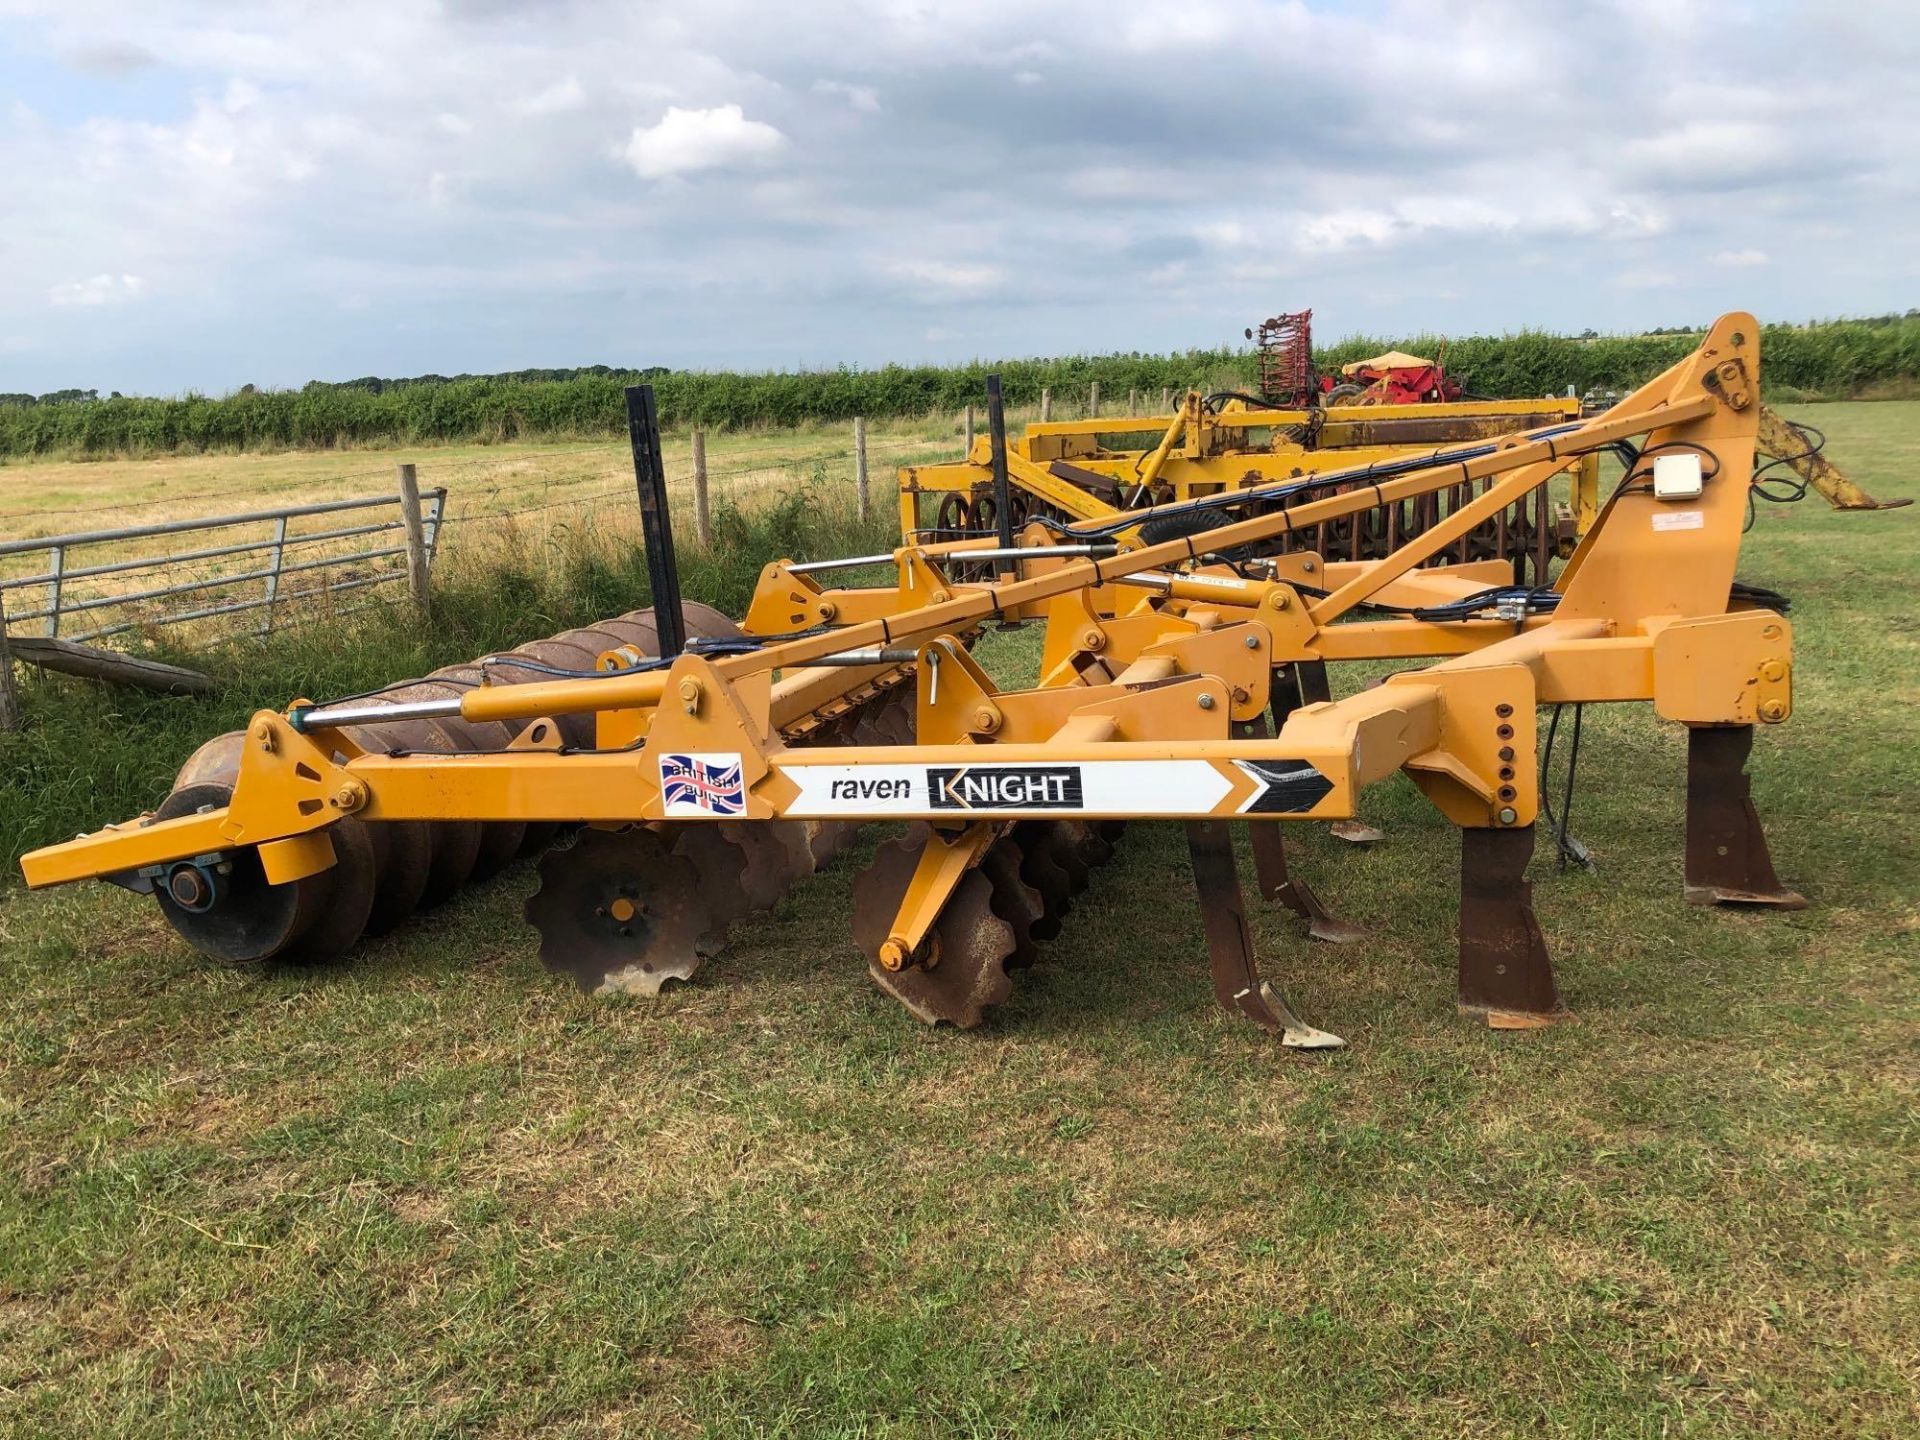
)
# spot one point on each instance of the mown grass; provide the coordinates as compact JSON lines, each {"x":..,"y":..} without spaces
{"x":434,"y":1192}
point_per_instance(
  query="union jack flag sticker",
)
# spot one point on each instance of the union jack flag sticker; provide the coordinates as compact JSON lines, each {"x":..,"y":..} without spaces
{"x":699,"y":784}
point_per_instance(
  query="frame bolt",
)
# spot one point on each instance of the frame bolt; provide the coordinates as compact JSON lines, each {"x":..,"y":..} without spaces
{"x":350,"y":796}
{"x":827,"y":609}
{"x":1279,"y":599}
{"x":1093,"y":640}
{"x":690,"y":695}
{"x":1774,"y":710}
{"x":1252,"y":642}
{"x":1507,"y":815}
{"x":1206,"y":701}
{"x":893,"y":956}
{"x":986,"y":719}
{"x":1773,"y":670}
{"x":263,"y":734}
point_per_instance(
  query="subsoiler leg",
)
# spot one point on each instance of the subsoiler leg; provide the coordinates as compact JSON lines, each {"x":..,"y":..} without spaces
{"x":1727,"y":858}
{"x":1505,"y":973}
{"x":1236,"y":976}
{"x":1273,"y":881}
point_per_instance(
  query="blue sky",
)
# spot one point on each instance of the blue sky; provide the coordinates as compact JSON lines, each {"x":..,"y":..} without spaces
{"x":209,"y":194}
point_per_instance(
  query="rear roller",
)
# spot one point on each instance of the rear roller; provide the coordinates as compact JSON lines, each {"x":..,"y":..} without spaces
{"x":385,"y":871}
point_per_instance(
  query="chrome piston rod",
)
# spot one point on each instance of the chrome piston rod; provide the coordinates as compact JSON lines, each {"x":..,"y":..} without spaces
{"x":1098,"y":549}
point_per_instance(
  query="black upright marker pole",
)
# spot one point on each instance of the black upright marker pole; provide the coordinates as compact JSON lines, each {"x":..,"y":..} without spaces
{"x":656,"y":527}
{"x":1002,"y":499}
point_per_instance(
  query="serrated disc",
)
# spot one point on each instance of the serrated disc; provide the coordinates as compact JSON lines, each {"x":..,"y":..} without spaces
{"x":1041,"y":871}
{"x":1062,"y":841}
{"x":619,"y":912}
{"x":971,"y":946}
{"x":1014,"y":901}
{"x":769,"y":863}
{"x":720,"y":865}
{"x":795,"y":843}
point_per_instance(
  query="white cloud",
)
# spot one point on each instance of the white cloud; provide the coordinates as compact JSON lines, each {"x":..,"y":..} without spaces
{"x":1343,"y":229}
{"x":1708,"y":155}
{"x":559,"y":98}
{"x":939,"y":224}
{"x":1114,"y":182}
{"x":100,"y":289}
{"x":949,"y":275}
{"x":685,"y":142}
{"x":863,"y":98}
{"x":113,"y":58}
{"x":1741,"y":259}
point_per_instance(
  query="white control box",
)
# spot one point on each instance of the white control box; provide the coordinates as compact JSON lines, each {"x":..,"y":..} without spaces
{"x":1676,"y":477}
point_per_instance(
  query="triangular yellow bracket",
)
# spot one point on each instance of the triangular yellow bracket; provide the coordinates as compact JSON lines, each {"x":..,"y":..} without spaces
{"x":703,"y":712}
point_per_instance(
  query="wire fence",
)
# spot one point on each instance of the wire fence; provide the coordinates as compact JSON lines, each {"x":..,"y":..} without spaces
{"x":210,"y":577}
{"x":269,"y":563}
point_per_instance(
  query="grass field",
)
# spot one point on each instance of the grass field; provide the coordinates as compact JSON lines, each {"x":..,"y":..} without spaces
{"x":436,"y":1192}
{"x":532,"y":499}
{"x":40,"y":497}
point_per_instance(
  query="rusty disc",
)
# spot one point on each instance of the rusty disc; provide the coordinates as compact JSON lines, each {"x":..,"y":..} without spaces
{"x":971,"y":947}
{"x":1062,"y":838}
{"x":894,"y":718}
{"x":877,"y":890}
{"x":768,"y":862}
{"x":347,"y":903}
{"x":1042,"y":872}
{"x":619,"y":912}
{"x":1014,"y":901}
{"x":721,"y":866}
{"x":1092,"y":847}
{"x":797,"y":844}
{"x":970,"y":944}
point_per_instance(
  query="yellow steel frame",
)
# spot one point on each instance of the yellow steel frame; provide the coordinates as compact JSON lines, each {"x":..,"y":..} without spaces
{"x":1145,"y":676}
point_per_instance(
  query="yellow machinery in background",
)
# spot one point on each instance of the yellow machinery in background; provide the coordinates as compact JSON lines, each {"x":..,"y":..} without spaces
{"x":1066,"y":472}
{"x":710,"y":771}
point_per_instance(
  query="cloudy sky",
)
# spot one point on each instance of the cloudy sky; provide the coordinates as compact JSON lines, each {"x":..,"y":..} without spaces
{"x":201,"y":195}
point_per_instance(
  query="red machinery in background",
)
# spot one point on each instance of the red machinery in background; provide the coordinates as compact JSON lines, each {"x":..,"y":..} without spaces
{"x":1287,"y":376}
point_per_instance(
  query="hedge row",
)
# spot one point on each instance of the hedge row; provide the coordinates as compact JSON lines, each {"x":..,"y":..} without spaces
{"x":1833,"y":359}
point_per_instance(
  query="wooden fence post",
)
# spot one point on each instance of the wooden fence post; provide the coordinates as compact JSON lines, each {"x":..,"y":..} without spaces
{"x":1046,"y":405}
{"x":1166,"y":399}
{"x":966,"y":453}
{"x":9,"y":698}
{"x":416,"y":536}
{"x":1093,"y":401}
{"x":860,"y":463}
{"x":1133,"y":402}
{"x":702,"y":514}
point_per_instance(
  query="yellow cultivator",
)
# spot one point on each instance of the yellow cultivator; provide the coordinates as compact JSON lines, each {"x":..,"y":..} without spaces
{"x":1073,"y":472}
{"x":714,"y":769}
